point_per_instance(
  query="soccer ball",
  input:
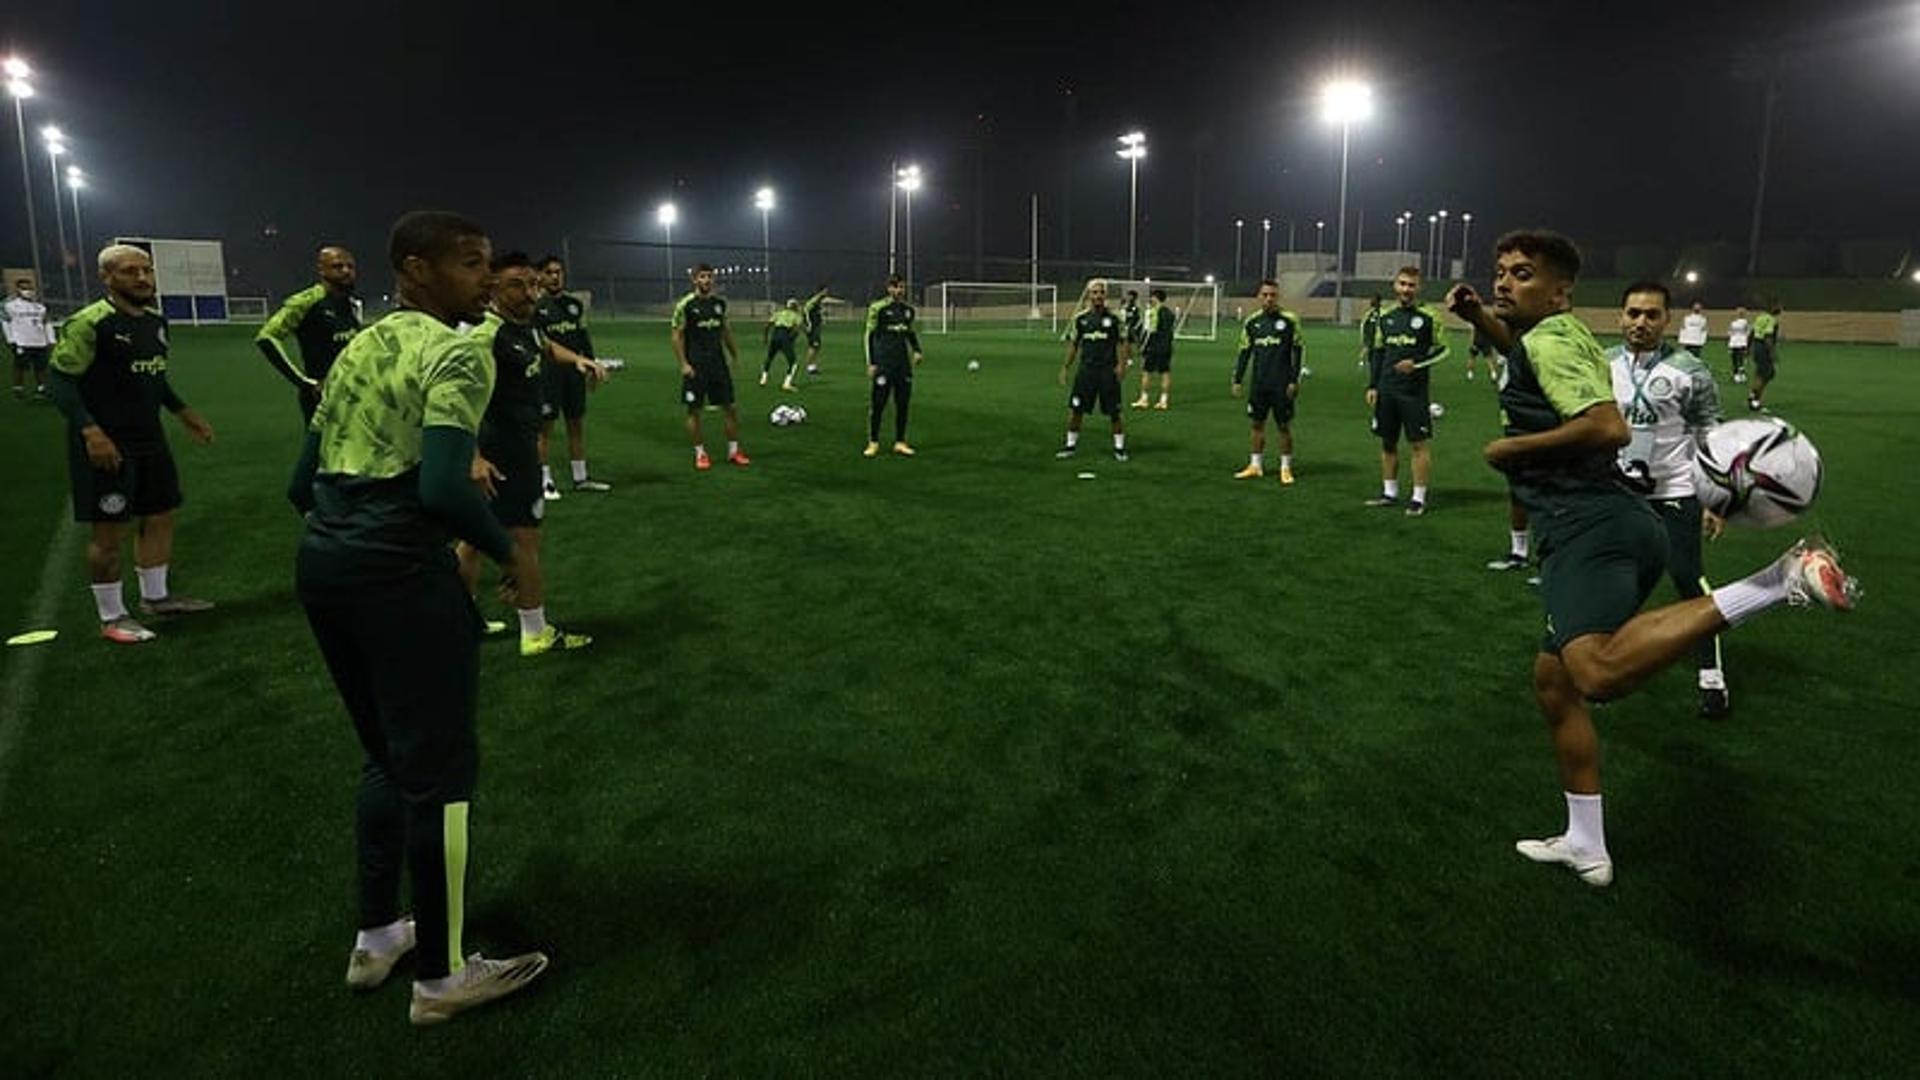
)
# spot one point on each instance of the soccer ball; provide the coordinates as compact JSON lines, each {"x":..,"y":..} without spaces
{"x":973,"y":365}
{"x":782,"y":415}
{"x":1306,"y":372}
{"x":1436,"y":410}
{"x":1761,"y":472}
{"x":798,"y":414}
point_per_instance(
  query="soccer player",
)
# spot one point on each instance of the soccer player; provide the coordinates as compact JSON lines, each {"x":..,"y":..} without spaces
{"x":1098,"y":340}
{"x":509,"y":444}
{"x":29,"y":336}
{"x":1737,"y":333}
{"x":1370,"y":331}
{"x":814,"y":312}
{"x":1766,"y":352}
{"x":1693,"y":331}
{"x":562,"y":320}
{"x":1270,"y":341}
{"x":110,"y":382}
{"x":893,"y":351}
{"x":1156,"y":350}
{"x":1132,"y":317}
{"x":320,"y":320}
{"x":780,"y":333}
{"x":1411,"y":341}
{"x":703,"y":343}
{"x":384,"y":480}
{"x":1479,"y":348}
{"x":1669,"y":400}
{"x":1603,"y":547}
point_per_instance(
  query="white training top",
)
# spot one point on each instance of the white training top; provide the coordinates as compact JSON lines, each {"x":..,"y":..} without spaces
{"x":1693,"y":329}
{"x":1737,"y":331}
{"x":26,"y":323}
{"x":1669,"y":401}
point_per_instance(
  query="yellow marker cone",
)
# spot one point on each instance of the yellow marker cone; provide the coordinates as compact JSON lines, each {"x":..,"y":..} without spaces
{"x":33,"y":637}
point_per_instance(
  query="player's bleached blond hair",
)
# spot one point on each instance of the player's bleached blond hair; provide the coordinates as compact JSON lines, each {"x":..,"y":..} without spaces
{"x":113,"y":253}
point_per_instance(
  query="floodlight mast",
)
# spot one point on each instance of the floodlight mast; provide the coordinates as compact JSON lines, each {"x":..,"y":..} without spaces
{"x":763,"y":201}
{"x":1345,"y":102}
{"x":1133,"y":147}
{"x":75,"y":181}
{"x":666,"y":215}
{"x":18,"y":72}
{"x":907,"y":180}
{"x":1238,"y":225}
{"x":55,"y":147}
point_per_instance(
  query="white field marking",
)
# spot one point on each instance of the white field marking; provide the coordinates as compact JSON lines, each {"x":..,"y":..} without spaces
{"x":23,"y":673}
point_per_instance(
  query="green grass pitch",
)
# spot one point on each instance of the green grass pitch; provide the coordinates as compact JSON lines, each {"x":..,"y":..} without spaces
{"x":961,"y":765}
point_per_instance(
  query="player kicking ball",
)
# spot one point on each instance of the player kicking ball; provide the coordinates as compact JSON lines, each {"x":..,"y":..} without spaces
{"x":1602,"y":547}
{"x":1098,"y":340}
{"x":1270,"y":343}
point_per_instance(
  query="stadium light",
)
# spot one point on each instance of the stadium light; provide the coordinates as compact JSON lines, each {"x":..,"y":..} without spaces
{"x":1266,"y":228}
{"x":907,"y":180}
{"x":20,"y":90}
{"x":1319,"y":236}
{"x":1208,"y":279}
{"x":1693,"y":277}
{"x":666,"y":215}
{"x":1345,"y":102}
{"x":55,"y":147}
{"x":1916,"y":277}
{"x":763,"y":200}
{"x":1431,"y":260}
{"x":1440,"y":256}
{"x":1466,"y":227}
{"x":1238,"y":225}
{"x":1133,"y":147}
{"x":75,"y":181}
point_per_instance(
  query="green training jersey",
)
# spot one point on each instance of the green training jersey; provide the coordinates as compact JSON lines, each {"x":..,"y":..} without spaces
{"x":120,"y":362}
{"x":518,"y":354}
{"x":1158,"y":331}
{"x":786,"y":325}
{"x":562,"y":317}
{"x":702,"y":320}
{"x":1766,"y":327}
{"x":1407,"y":332}
{"x":1270,"y":343}
{"x":1555,"y":372}
{"x":1370,"y":330}
{"x":319,"y":321}
{"x":1098,"y":332}
{"x":891,"y":340}
{"x":1130,"y":315}
{"x":407,"y":372}
{"x":814,"y":310}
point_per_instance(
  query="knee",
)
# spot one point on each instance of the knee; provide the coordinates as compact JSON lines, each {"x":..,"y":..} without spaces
{"x":1592,"y":677}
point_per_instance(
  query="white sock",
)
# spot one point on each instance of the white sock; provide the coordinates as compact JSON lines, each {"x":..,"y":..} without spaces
{"x":579,"y":470}
{"x":699,"y":451}
{"x":733,"y":447}
{"x":1419,"y":493}
{"x":533,"y":621}
{"x":1390,"y":488}
{"x":1119,"y":440}
{"x":1286,"y":461}
{"x":1517,"y":542}
{"x":1586,"y":828}
{"x":546,"y":476}
{"x":382,"y":939}
{"x":1752,"y":594}
{"x":1712,"y":678}
{"x":1073,"y":439}
{"x":108,"y":601}
{"x":153,"y":582}
{"x":1257,"y":459}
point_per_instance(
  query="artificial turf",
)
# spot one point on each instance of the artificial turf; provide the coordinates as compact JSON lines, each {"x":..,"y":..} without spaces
{"x":962,"y":765}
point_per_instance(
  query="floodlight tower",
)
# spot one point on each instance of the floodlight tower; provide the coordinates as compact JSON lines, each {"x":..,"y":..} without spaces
{"x":1133,"y":147}
{"x":763,"y":201}
{"x":18,"y":88}
{"x":1238,"y":224}
{"x":1466,"y":252}
{"x":55,"y":147}
{"x":1440,"y":257}
{"x":1319,"y":237}
{"x":1345,"y":102}
{"x":1266,"y":229}
{"x":1433,"y":222}
{"x":666,"y":215}
{"x":907,"y":180}
{"x":75,"y":181}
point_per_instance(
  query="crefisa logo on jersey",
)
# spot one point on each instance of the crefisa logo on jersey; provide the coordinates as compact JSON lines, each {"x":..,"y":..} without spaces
{"x":113,"y":502}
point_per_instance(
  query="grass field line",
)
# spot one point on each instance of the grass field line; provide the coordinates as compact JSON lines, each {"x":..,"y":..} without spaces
{"x":16,"y":693}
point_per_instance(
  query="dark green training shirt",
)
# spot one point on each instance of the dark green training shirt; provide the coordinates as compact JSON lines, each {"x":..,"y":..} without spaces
{"x":813,"y":310}
{"x":563,"y":318}
{"x":518,"y":353}
{"x":1271,"y":343}
{"x":1406,"y":333}
{"x":891,"y":341}
{"x":1130,"y":315}
{"x":321,"y":322}
{"x":1159,"y":331}
{"x":1097,"y":331}
{"x":1555,"y":372}
{"x":120,"y":362}
{"x":702,"y":319}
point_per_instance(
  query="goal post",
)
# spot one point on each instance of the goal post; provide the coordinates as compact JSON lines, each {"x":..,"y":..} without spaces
{"x":1022,"y":306}
{"x":1195,"y":304}
{"x":248,"y":309}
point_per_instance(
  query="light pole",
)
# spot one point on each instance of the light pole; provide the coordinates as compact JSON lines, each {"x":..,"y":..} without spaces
{"x":56,"y":147}
{"x":1133,"y":147}
{"x":763,"y":200}
{"x":75,"y":181}
{"x":20,"y":89}
{"x":1466,"y":252}
{"x":666,"y":215}
{"x":1440,"y":257}
{"x":1289,"y":236}
{"x":1266,"y":264}
{"x":1430,"y":258}
{"x":1238,"y":224}
{"x":908,"y":180}
{"x":1319,"y":237}
{"x":1346,"y":103}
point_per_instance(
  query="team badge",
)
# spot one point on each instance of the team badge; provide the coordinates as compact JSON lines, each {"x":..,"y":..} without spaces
{"x":113,"y":503}
{"x":689,"y":395}
{"x":880,"y":380}
{"x":1076,"y":401}
{"x":1107,"y":323}
{"x":1660,"y":388}
{"x":1279,"y":324}
{"x":1416,"y":322}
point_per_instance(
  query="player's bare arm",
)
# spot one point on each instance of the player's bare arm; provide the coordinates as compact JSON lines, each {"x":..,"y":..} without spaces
{"x":1599,"y":427}
{"x":1466,"y":303}
{"x":679,"y":338}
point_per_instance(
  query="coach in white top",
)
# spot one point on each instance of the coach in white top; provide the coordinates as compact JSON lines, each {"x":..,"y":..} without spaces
{"x":1669,"y":401}
{"x":1738,"y":332}
{"x":29,"y":337}
{"x":1693,"y":331}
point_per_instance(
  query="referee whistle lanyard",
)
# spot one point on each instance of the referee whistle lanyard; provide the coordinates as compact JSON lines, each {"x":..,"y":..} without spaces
{"x":1640,"y":448}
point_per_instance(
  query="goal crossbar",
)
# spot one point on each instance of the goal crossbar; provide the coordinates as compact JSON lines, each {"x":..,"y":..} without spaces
{"x":1019,"y":304}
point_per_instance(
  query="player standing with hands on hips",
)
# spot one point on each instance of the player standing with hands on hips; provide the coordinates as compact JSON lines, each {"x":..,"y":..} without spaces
{"x":893,"y":351}
{"x":1098,"y":340}
{"x":1270,"y":342}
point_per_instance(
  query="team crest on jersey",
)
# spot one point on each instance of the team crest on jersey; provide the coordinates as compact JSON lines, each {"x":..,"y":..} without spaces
{"x":113,"y":503}
{"x":691,"y":397}
{"x":1660,"y":388}
{"x":1416,"y":322}
{"x":1279,"y":324}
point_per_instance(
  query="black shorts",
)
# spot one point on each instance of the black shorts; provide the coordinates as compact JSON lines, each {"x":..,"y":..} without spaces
{"x":518,"y":501}
{"x":1763,"y":361}
{"x":1394,"y":413}
{"x":1156,"y":363}
{"x":813,"y":337}
{"x":1684,"y":565}
{"x":30,"y":358}
{"x":563,"y":392}
{"x":1595,"y":579}
{"x":146,"y":482}
{"x":1738,"y":353}
{"x":1095,"y":390}
{"x":1265,"y":400}
{"x":710,"y":384}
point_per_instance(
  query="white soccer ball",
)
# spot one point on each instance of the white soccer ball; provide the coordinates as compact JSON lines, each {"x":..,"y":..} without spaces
{"x":781,"y":416}
{"x":1761,"y":472}
{"x":796,"y":414}
{"x":1436,"y":410}
{"x":1306,"y":372}
{"x":973,"y":365}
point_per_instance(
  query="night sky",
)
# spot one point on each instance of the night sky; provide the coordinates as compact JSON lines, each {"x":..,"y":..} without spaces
{"x":1615,"y":122}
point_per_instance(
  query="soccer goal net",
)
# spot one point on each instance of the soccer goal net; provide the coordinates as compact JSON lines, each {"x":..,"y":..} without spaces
{"x":1195,"y":304}
{"x":995,"y":305}
{"x":248,"y":309}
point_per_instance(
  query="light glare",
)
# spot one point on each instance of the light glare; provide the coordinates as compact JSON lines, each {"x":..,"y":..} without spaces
{"x":1346,"y":101}
{"x":667,"y":214}
{"x":17,"y":68}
